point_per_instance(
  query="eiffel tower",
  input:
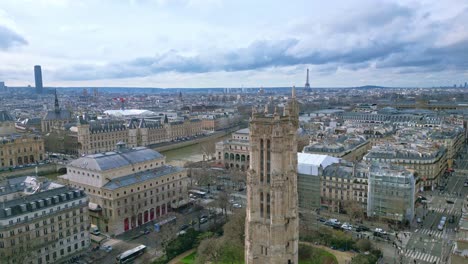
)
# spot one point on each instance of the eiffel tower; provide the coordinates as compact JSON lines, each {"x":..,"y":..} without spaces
{"x":307,"y":88}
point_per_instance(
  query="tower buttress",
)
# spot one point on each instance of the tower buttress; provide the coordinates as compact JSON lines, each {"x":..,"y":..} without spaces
{"x":272,"y":223}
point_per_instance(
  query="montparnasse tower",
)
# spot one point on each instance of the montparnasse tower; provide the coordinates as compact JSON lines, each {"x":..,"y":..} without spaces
{"x":272,"y":224}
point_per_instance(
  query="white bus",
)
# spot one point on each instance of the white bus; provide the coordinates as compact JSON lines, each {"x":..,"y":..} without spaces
{"x":197,"y":193}
{"x":129,"y":255}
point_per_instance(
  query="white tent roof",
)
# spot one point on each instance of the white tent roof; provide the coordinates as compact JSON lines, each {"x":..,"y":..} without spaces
{"x":308,"y":163}
{"x":129,"y":112}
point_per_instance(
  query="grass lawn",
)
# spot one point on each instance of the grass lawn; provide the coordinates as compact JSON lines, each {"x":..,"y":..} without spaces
{"x":307,"y":255}
{"x":189,"y":259}
{"x":312,"y":255}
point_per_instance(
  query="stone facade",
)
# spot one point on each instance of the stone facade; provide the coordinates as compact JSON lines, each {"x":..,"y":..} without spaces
{"x":128,"y":188}
{"x":101,"y":136}
{"x":18,"y":149}
{"x":272,"y":223}
{"x":41,"y":222}
{"x":234,"y":153}
{"x":21,"y":150}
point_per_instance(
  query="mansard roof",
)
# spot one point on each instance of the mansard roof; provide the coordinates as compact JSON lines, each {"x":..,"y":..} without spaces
{"x":59,"y":115}
{"x":131,"y":179}
{"x":114,"y":160}
{"x":5,"y":116}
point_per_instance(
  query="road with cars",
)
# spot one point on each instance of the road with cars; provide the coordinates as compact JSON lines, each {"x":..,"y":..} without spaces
{"x":429,"y":243}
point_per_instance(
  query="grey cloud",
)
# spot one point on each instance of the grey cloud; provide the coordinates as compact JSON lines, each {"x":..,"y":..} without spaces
{"x":389,"y":48}
{"x":9,"y":38}
{"x":375,"y":15}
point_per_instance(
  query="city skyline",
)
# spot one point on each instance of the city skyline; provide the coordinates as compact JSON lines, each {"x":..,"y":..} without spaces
{"x":189,"y":43}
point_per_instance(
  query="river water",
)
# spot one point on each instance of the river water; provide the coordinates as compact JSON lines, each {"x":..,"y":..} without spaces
{"x":192,"y":153}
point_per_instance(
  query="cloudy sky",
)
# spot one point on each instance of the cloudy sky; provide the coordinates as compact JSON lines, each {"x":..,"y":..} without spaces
{"x":227,"y":43}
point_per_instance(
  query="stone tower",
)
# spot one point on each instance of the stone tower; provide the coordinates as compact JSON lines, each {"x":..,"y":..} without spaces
{"x":272,"y":225}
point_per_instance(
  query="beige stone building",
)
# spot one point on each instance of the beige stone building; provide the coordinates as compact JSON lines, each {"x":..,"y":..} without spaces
{"x":41,"y":222}
{"x":272,"y":222}
{"x":337,"y":187}
{"x":234,"y":153}
{"x":128,"y":187}
{"x":102,"y":135}
{"x":18,"y":149}
{"x":348,"y":147}
{"x":215,"y":122}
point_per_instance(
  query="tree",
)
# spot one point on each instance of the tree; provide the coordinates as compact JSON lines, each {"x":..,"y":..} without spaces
{"x":363,"y":245}
{"x":354,"y":210}
{"x":222,"y":201}
{"x":210,"y":250}
{"x":234,"y":229}
{"x":23,"y":253}
{"x":226,"y":249}
{"x":238,"y":178}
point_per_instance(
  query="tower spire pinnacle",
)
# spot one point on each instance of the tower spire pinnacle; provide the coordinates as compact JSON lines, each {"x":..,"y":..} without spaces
{"x":293,"y":92}
{"x":56,"y":106}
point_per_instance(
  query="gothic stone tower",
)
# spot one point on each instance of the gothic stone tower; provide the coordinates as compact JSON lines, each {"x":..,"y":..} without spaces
{"x":272,"y":226}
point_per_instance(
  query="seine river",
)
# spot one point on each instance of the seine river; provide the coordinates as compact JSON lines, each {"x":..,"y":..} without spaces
{"x":178,"y":157}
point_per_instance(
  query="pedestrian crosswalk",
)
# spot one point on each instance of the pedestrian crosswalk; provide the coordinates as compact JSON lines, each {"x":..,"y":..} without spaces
{"x":421,"y":256}
{"x":451,"y":211}
{"x":427,"y":232}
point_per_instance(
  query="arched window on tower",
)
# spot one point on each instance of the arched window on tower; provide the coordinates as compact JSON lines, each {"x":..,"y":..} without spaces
{"x":261,"y":204}
{"x":268,"y":160}
{"x":268,"y":205}
{"x":262,"y":162}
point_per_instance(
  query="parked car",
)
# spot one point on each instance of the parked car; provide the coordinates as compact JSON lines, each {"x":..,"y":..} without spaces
{"x":184,"y":227}
{"x":449,"y":201}
{"x":347,"y":227}
{"x":380,"y":231}
{"x":334,"y":220}
{"x":419,"y":220}
{"x":362,"y":228}
{"x":107,"y":248}
{"x":203,"y":220}
{"x":236,"y":205}
{"x":181,"y":233}
{"x":321,"y":219}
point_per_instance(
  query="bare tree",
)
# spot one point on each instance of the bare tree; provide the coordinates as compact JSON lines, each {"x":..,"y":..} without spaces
{"x":234,"y":229}
{"x":23,"y":252}
{"x":354,"y":210}
{"x":222,"y":202}
{"x":209,"y":251}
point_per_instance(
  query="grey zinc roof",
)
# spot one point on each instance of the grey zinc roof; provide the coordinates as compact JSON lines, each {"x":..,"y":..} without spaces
{"x":243,"y":131}
{"x":61,"y":115}
{"x":5,"y":116}
{"x":141,"y":177}
{"x":15,"y":203}
{"x":113,"y":160}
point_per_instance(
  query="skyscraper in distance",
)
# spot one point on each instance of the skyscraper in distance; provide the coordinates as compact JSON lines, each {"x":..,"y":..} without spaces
{"x":38,"y":78}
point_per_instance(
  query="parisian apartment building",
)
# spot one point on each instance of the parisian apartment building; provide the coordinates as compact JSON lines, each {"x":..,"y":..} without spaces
{"x":41,"y":221}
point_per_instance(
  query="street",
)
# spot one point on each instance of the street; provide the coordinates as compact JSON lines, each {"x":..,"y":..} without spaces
{"x":428,"y":244}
